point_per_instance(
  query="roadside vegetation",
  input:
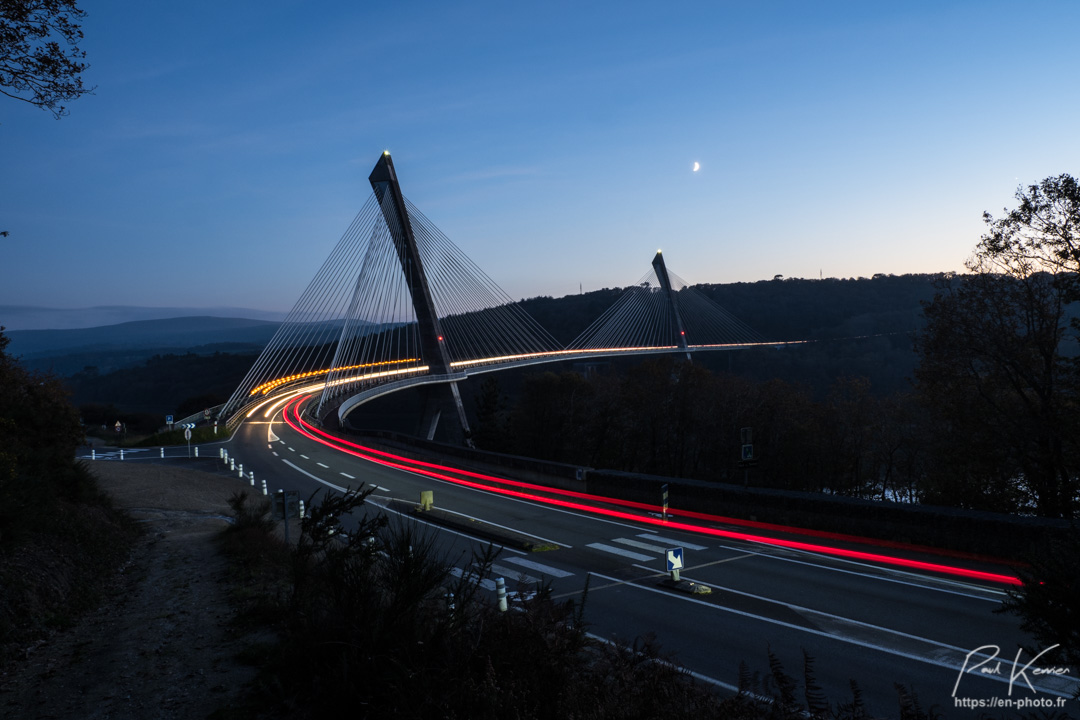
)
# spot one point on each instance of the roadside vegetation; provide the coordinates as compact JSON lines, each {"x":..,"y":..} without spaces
{"x":372,"y":624}
{"x":60,"y":537}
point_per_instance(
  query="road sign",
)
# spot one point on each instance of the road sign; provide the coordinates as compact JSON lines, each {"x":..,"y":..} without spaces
{"x":674,"y":562}
{"x":168,"y":419}
{"x":187,"y":433}
{"x":747,"y":452}
{"x":746,"y":435}
{"x":118,"y":426}
{"x":206,"y":413}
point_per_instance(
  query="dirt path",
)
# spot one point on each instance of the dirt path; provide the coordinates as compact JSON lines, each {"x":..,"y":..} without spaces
{"x":161,"y":645}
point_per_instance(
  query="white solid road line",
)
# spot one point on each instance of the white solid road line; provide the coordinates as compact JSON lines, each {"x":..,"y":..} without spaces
{"x":933,"y":657}
{"x":316,"y":477}
{"x":440,"y":528}
{"x":910,"y":581}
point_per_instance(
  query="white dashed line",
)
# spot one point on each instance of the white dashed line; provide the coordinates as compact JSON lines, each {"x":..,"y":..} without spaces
{"x":321,"y":465}
{"x":347,"y":475}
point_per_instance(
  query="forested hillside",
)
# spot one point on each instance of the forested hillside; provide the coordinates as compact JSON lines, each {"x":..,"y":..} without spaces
{"x":838,"y":314}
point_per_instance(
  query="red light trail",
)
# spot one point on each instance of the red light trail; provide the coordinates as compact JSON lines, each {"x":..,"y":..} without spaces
{"x":438,"y":472}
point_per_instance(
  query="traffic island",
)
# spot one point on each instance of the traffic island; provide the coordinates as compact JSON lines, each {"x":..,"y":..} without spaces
{"x":470,"y":526}
{"x":685,"y":586}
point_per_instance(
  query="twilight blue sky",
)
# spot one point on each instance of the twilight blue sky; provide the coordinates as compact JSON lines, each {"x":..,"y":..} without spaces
{"x":228,"y":144}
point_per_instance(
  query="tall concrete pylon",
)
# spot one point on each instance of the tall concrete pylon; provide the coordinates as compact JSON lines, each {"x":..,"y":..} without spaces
{"x":384,"y":183}
{"x":673,"y":302}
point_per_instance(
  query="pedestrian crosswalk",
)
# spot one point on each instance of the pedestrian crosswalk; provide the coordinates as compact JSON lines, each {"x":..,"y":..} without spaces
{"x":642,"y":548}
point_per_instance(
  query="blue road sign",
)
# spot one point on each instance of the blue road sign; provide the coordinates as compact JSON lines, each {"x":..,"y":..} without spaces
{"x":674,"y":559}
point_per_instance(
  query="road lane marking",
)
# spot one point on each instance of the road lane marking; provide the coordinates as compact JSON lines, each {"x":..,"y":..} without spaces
{"x":670,"y":542}
{"x":682,"y":668}
{"x":640,"y":545}
{"x":956,"y":665}
{"x":274,"y":453}
{"x":305,"y":457}
{"x":347,"y":475}
{"x":291,"y":450}
{"x":501,"y":527}
{"x":877,"y":576}
{"x":484,"y":582}
{"x":619,"y":551}
{"x":517,"y":575}
{"x":316,"y":477}
{"x":440,"y":528}
{"x":321,"y":465}
{"x":539,"y":567}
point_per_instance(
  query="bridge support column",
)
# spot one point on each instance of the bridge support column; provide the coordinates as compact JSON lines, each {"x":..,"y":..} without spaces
{"x":665,"y":284}
{"x":384,"y":182}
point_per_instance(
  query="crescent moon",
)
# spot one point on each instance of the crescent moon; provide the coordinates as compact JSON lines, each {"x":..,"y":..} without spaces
{"x":697,"y":166}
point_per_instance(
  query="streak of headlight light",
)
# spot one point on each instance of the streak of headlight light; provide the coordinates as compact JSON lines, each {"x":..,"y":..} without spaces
{"x":298,"y":425}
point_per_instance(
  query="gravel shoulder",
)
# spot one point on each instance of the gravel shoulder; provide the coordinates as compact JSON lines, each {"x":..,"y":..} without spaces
{"x":162,"y":644}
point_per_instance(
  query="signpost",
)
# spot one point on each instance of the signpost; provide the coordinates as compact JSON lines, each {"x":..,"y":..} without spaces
{"x":286,"y":505}
{"x":675,"y":562}
{"x":187,"y":436}
{"x":664,"y":493}
{"x":746,"y":458}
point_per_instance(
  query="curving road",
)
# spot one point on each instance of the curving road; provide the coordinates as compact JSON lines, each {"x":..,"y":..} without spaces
{"x":868,"y":621}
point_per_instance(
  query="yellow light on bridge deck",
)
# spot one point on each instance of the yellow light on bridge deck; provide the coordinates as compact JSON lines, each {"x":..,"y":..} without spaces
{"x":385,"y":152}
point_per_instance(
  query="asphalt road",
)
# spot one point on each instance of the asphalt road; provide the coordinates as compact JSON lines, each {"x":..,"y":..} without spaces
{"x":859,"y":621}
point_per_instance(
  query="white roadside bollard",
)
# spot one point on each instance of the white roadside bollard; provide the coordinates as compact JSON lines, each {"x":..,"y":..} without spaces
{"x":301,"y":509}
{"x":232,"y":464}
{"x":251,"y":475}
{"x":500,"y":592}
{"x":93,"y":454}
{"x":220,"y":453}
{"x":264,"y":488}
{"x":241,"y":471}
{"x":162,"y":452}
{"x":121,"y":453}
{"x":196,"y":451}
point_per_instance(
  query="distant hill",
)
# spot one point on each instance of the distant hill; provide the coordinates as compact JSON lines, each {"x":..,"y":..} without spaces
{"x":858,"y":327}
{"x":27,"y":317}
{"x":113,"y":347}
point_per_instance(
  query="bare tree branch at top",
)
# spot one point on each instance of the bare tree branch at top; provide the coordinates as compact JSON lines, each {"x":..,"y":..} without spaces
{"x":40,"y":59}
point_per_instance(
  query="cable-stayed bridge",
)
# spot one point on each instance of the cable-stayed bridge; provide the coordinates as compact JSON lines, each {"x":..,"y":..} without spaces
{"x":397,"y":304}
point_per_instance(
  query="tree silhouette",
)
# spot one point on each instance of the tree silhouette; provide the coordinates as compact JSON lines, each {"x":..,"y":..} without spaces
{"x":40,"y":59}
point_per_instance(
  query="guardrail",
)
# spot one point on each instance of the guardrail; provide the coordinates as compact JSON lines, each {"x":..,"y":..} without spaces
{"x":201,"y":415}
